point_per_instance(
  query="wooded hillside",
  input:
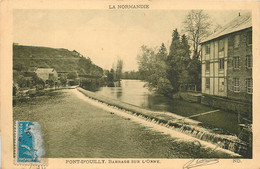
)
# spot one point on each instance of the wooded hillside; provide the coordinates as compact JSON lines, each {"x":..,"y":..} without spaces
{"x":62,"y":60}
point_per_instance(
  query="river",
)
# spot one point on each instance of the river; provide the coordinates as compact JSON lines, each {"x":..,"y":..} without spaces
{"x":134,"y":92}
{"x":74,"y":126}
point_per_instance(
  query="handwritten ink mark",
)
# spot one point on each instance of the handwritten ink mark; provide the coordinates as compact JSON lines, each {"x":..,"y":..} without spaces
{"x":38,"y":167}
{"x":199,"y":162}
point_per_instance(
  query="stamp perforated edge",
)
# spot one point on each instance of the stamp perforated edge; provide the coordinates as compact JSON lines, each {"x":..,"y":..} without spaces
{"x":43,"y":161}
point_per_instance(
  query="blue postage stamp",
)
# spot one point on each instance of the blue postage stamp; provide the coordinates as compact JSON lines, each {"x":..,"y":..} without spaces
{"x":29,"y":143}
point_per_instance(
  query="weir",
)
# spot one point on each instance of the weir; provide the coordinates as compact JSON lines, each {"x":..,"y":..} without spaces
{"x":177,"y":123}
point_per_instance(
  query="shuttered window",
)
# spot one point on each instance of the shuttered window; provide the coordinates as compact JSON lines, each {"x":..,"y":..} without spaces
{"x":207,"y":49}
{"x":236,"y":62}
{"x":207,"y":66}
{"x":221,"y":45}
{"x":249,"y":62}
{"x":221,"y":63}
{"x":236,"y":85}
{"x":249,"y":85}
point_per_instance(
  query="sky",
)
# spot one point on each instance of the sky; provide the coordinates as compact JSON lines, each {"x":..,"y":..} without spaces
{"x":103,"y":35}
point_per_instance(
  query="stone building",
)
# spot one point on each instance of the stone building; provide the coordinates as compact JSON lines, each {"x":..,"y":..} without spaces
{"x":47,"y":74}
{"x":227,"y":61}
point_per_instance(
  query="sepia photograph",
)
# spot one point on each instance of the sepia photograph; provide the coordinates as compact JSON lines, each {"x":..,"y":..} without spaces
{"x":122,"y":83}
{"x":130,"y":84}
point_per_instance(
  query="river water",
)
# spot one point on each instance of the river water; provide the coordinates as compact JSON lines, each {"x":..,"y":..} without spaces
{"x":134,"y":92}
{"x":73,"y":126}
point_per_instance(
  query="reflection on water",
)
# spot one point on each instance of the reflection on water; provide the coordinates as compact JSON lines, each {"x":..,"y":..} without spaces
{"x":134,"y":92}
{"x":130,"y":91}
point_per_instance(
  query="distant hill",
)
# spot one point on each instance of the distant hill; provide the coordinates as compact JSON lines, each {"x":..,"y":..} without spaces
{"x":62,"y":60}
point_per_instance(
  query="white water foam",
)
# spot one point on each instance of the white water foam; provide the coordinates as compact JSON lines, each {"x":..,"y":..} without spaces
{"x":151,"y":125}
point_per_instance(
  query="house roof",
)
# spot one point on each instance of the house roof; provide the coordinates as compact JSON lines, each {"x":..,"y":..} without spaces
{"x":241,"y":22}
{"x":44,"y":70}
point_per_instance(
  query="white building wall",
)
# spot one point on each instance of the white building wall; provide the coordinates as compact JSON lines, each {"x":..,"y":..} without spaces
{"x":216,"y":86}
{"x":211,"y":74}
{"x":203,"y":69}
{"x":212,"y":50}
{"x":216,"y":49}
{"x":216,"y":68}
{"x":211,"y":89}
{"x":215,"y":73}
{"x":226,"y":47}
{"x":203,"y":85}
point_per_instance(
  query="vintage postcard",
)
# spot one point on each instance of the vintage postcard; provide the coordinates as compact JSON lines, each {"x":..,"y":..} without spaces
{"x":130,"y":84}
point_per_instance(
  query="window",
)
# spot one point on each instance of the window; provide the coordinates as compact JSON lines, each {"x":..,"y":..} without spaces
{"x":249,"y":38}
{"x":221,"y":63}
{"x":207,"y":83}
{"x":249,"y":62}
{"x":236,"y":41}
{"x":236,"y":62}
{"x":207,"y":49}
{"x":207,"y":66}
{"x":221,"y":84}
{"x":249,"y":85}
{"x":236,"y":84}
{"x":221,"y":45}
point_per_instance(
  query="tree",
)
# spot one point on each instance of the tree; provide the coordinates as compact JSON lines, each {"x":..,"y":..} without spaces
{"x":177,"y":61}
{"x":165,"y":73}
{"x":152,"y":68}
{"x":173,"y":62}
{"x":37,"y":82}
{"x":144,"y":61}
{"x":51,"y":82}
{"x":197,"y":26}
{"x":162,"y":54}
{"x":161,"y":82}
{"x":131,"y":75}
{"x":21,"y":81}
{"x":72,"y":75}
{"x":185,"y":47}
{"x":110,"y":78}
{"x":175,"y":43}
{"x":184,"y":54}
{"x":194,"y":72}
{"x":119,"y":69}
{"x":63,"y":80}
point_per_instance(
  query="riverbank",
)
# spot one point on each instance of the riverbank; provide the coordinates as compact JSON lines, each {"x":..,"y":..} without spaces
{"x":181,"y":124}
{"x":135,"y":93}
{"x":28,"y":94}
{"x":75,"y":128}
